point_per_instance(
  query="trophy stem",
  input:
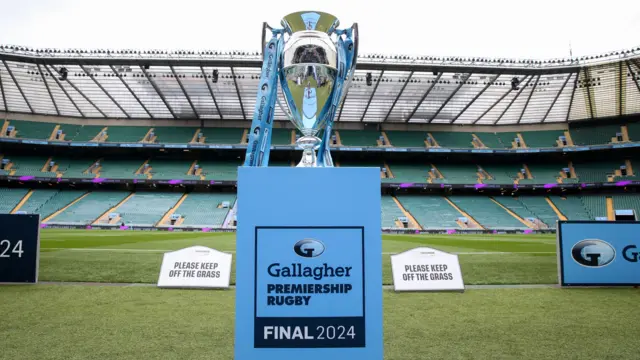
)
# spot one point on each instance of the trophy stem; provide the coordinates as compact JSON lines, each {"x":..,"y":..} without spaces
{"x":308,"y":145}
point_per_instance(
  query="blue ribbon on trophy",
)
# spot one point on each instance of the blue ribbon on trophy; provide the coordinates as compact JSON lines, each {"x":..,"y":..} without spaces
{"x":314,"y":72}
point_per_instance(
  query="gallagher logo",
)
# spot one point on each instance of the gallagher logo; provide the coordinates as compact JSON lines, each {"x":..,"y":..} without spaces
{"x":593,"y":253}
{"x":308,"y":248}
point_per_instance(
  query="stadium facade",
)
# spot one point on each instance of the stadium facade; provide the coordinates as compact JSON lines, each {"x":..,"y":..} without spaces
{"x":152,"y":139}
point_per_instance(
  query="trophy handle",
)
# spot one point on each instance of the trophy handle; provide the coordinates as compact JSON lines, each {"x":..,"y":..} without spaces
{"x":356,"y":42}
{"x":265,"y":27}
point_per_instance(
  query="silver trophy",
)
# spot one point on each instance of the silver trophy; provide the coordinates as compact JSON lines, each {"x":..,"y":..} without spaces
{"x":308,"y":75}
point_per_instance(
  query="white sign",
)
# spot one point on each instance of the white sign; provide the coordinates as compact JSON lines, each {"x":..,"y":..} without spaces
{"x":195,"y":267}
{"x":426,"y":269}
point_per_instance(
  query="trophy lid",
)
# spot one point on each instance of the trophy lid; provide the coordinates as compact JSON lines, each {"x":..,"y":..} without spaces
{"x":310,"y":20}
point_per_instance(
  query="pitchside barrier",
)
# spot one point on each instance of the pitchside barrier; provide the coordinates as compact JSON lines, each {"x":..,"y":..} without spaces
{"x":19,"y":248}
{"x":598,"y":253}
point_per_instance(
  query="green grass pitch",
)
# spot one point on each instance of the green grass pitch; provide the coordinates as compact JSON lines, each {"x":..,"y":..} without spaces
{"x":132,"y":322}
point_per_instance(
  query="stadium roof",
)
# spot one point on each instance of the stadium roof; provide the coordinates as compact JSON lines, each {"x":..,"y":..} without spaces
{"x":133,"y":84}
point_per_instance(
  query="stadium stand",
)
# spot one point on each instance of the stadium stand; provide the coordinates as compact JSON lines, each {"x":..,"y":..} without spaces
{"x":634,"y":131}
{"x":490,"y":140}
{"x":38,"y":198}
{"x":595,"y":205}
{"x":501,"y":173}
{"x":29,"y":165}
{"x":539,"y":206}
{"x":222,"y":135}
{"x":627,"y":202}
{"x":543,"y":173}
{"x":9,"y":198}
{"x":75,"y":168}
{"x":146,"y":209}
{"x":32,"y":129}
{"x":163,"y":169}
{"x":220,"y":170}
{"x":507,"y":139}
{"x":457,"y":174}
{"x":406,"y":138}
{"x":453,"y":139}
{"x":542,"y":139}
{"x":115,"y":168}
{"x":86,"y":133}
{"x":170,"y":135}
{"x":410,"y":172}
{"x":281,"y":137}
{"x":57,"y":202}
{"x":489,"y":214}
{"x":129,"y":134}
{"x":359,"y":137}
{"x":390,"y":212}
{"x":594,"y":135}
{"x":571,"y":207}
{"x":431,"y":212}
{"x":595,"y":171}
{"x":205,"y":209}
{"x":89,"y":208}
{"x":516,"y":206}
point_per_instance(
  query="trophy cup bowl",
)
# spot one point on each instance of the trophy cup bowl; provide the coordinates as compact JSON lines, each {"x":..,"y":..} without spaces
{"x":308,"y":76}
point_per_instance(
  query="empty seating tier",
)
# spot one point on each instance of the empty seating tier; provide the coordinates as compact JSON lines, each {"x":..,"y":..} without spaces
{"x":571,"y":207}
{"x":58,"y":201}
{"x":390,"y":212}
{"x":29,"y":165}
{"x":457,"y":174}
{"x":170,"y":169}
{"x":220,"y":170}
{"x":89,"y":208}
{"x":486,"y":212}
{"x":542,"y":139}
{"x":146,"y":209}
{"x":407,"y":138}
{"x":174,"y":134}
{"x":432,"y":212}
{"x":594,"y":135}
{"x":453,"y":139}
{"x":126,"y":134}
{"x":32,"y":129}
{"x":539,"y":206}
{"x":205,"y":209}
{"x":37,"y":200}
{"x":9,"y":198}
{"x":222,"y":135}
{"x":281,"y":137}
{"x":359,"y":137}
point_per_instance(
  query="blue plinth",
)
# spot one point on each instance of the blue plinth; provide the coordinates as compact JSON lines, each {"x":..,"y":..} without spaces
{"x":308,"y":264}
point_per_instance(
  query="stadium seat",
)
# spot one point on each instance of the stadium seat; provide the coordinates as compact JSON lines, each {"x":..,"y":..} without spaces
{"x":542,"y":139}
{"x":146,"y":209}
{"x":571,"y":207}
{"x":9,"y":198}
{"x":33,"y":129}
{"x":203,"y":209}
{"x":489,"y":214}
{"x":431,"y":212}
{"x":390,"y":212}
{"x":594,"y":135}
{"x":359,"y":137}
{"x":89,"y":208}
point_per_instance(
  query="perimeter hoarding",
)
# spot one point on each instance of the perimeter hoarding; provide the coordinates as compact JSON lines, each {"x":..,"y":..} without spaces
{"x":598,"y":253}
{"x":308,"y":264}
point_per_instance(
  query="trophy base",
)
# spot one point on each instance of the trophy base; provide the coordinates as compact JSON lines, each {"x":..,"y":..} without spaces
{"x":308,"y":145}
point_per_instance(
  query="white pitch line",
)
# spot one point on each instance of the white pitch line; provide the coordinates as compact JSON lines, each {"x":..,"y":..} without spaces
{"x":233,"y":252}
